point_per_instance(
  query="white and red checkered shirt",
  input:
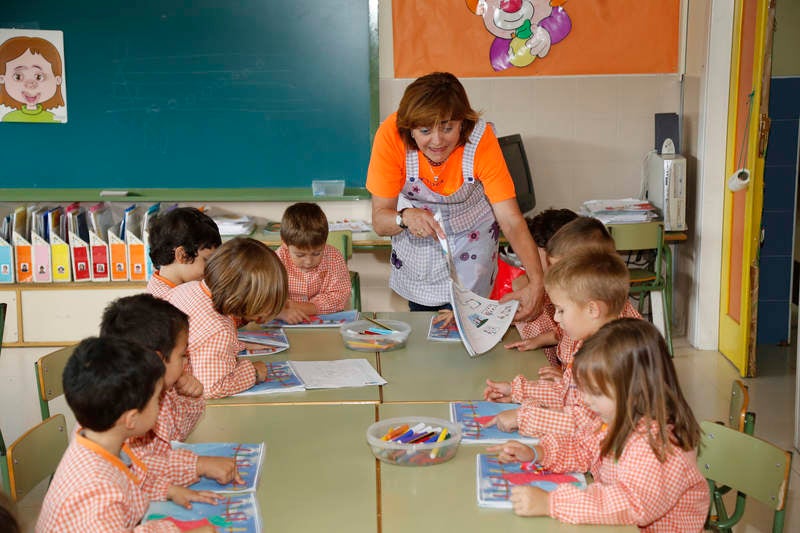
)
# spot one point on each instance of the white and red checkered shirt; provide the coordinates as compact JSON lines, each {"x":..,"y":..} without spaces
{"x":177,"y":417}
{"x":159,"y":286}
{"x":93,"y":490}
{"x":637,"y":489}
{"x":543,"y":323}
{"x":327,"y":286}
{"x":213,"y":343}
{"x":556,"y":406}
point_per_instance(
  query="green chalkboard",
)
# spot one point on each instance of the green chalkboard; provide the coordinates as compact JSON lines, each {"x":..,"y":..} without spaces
{"x":201,"y":94}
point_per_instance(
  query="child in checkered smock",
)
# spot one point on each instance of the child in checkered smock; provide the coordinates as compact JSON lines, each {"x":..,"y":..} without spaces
{"x":113,"y":387}
{"x":163,"y":328}
{"x":244,"y":282}
{"x":319,"y":281}
{"x":642,"y":450}
{"x":180,"y":241}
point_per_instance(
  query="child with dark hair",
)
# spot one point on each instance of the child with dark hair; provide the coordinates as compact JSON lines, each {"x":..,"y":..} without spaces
{"x":244,"y":282}
{"x":113,"y":387}
{"x":319,"y":281}
{"x":545,"y":224}
{"x":181,"y":240}
{"x":642,"y":450}
{"x":163,"y":328}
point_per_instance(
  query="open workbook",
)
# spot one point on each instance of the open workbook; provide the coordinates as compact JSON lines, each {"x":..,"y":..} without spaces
{"x":237,"y":510}
{"x":473,"y":417}
{"x":481,"y":322}
{"x":270,"y":341}
{"x":291,"y":376}
{"x":495,"y":480}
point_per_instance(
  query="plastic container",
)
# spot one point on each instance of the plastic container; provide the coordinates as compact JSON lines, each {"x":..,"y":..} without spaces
{"x":327,"y":187}
{"x":354,"y":337}
{"x":419,"y":454}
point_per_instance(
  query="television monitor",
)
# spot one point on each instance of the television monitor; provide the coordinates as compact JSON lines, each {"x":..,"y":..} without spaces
{"x":517,"y":162}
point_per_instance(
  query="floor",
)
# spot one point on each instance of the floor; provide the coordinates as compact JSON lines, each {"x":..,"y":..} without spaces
{"x":706,"y":378}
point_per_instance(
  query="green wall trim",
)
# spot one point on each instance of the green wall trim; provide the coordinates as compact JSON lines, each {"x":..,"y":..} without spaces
{"x":287,"y":194}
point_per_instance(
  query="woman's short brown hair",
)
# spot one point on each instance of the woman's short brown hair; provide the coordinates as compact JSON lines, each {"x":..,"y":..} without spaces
{"x":304,"y":225}
{"x":246,"y":279}
{"x":431,"y":99}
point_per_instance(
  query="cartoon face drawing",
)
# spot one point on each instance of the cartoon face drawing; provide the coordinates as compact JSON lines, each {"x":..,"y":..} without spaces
{"x":29,"y":79}
{"x":503,"y":17}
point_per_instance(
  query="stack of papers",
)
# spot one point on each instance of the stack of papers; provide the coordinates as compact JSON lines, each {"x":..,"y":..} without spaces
{"x":231,"y":223}
{"x":623,"y":211}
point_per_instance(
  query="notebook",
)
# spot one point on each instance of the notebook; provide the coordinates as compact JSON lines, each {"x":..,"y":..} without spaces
{"x":272,"y":340}
{"x":235,"y":512}
{"x":249,"y":458}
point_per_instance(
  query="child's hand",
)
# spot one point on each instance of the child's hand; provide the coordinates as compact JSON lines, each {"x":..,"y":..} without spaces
{"x":512,"y":451}
{"x":497,"y":391}
{"x":188,"y":385}
{"x":530,"y":501}
{"x":184,"y":496}
{"x":261,"y":370}
{"x":550,"y":373}
{"x":505,"y":421}
{"x":444,"y":318}
{"x":221,"y":469}
{"x":291,"y":314}
{"x":524,"y":345}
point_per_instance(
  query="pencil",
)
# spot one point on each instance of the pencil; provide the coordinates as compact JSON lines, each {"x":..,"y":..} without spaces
{"x":379,"y":324}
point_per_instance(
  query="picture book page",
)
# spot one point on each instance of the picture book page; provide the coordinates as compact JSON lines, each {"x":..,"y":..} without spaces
{"x":280,"y":378}
{"x":495,"y":480}
{"x":473,"y":416}
{"x":481,"y":322}
{"x":235,"y":512}
{"x":331,"y":320}
{"x":248,"y":459}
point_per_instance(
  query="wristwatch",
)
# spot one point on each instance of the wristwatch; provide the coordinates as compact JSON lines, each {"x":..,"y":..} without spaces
{"x":399,"y":219}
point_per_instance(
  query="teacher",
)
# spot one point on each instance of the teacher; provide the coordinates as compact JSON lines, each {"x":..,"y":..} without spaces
{"x":436,"y":155}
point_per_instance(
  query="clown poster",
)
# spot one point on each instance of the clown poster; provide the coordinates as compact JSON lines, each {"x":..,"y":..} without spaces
{"x":32,"y":86}
{"x":488,"y":38}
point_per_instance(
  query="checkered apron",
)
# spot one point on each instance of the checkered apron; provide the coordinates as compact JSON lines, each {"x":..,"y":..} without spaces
{"x":419,"y":269}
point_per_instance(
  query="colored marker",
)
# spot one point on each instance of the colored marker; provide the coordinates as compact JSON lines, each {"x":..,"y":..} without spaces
{"x":396,"y":432}
{"x":442,"y":436}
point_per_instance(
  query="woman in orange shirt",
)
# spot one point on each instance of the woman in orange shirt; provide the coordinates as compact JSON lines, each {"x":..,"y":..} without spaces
{"x":436,"y":155}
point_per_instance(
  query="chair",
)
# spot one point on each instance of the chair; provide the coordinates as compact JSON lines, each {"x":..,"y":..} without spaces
{"x":49,"y":369}
{"x":35,"y":455}
{"x":739,"y":418}
{"x":751,"y":466}
{"x":342,"y":240}
{"x":654,"y":279}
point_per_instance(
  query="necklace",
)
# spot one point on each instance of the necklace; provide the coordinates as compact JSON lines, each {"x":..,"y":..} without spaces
{"x":440,"y":165}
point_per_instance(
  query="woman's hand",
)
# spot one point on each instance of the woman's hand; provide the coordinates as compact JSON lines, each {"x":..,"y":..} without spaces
{"x":421,"y":223}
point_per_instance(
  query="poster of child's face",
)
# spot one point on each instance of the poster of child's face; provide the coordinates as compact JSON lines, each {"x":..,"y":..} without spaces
{"x":32,"y":87}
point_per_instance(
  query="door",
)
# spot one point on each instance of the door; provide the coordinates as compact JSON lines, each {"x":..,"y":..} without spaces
{"x":748,"y":127}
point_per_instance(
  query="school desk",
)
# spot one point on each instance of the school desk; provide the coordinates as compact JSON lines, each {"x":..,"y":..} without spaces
{"x":435,"y":371}
{"x":318,"y":473}
{"x":442,"y":497}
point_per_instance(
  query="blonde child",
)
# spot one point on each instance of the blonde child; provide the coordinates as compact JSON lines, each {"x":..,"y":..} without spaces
{"x":181,"y":241}
{"x":641,"y":453}
{"x":113,"y":388}
{"x":588,"y":290}
{"x":319,"y":281}
{"x":244,"y":281}
{"x":160,"y":326}
{"x":576,"y":235}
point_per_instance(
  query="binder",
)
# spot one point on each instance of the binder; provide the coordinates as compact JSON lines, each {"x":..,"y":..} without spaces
{"x":6,"y":261}
{"x":118,"y":256}
{"x":137,"y":254}
{"x":98,"y":251}
{"x":59,"y":248}
{"x":22,"y":246}
{"x":152,"y":211}
{"x":40,"y":252}
{"x":78,"y":233}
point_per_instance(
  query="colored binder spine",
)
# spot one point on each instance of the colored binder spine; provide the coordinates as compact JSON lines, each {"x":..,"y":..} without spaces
{"x":24,"y":257}
{"x":60,"y":257}
{"x":98,"y":249}
{"x":79,"y":254}
{"x":40,"y":253}
{"x":6,"y":262}
{"x":118,"y":251}
{"x":137,"y":262}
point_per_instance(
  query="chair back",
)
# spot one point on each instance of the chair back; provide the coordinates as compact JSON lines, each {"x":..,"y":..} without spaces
{"x":342,"y":240}
{"x":740,"y":400}
{"x":747,"y":464}
{"x":49,"y":369}
{"x":36,"y":454}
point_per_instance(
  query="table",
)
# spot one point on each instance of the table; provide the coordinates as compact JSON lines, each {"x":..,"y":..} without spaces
{"x":319,"y":474}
